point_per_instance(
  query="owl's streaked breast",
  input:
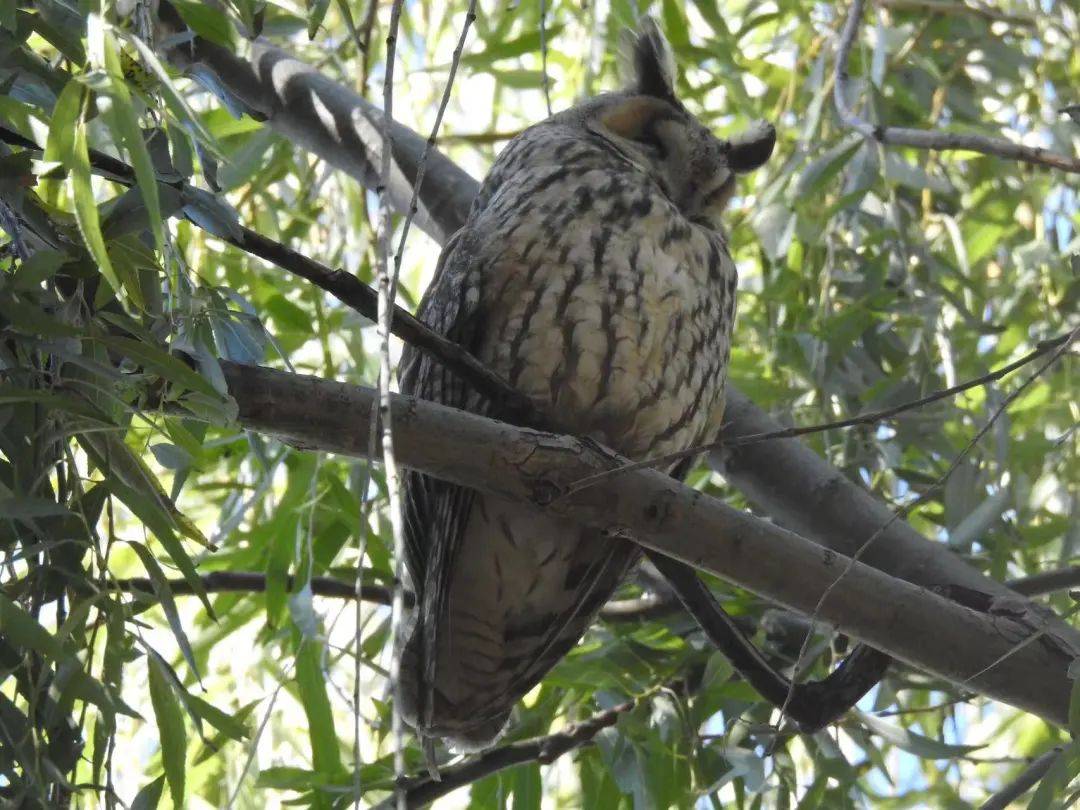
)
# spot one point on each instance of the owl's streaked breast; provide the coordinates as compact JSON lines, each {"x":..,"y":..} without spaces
{"x":606,"y":305}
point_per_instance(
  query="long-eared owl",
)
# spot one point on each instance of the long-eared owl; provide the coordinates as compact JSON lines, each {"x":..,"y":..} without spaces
{"x":593,"y":275}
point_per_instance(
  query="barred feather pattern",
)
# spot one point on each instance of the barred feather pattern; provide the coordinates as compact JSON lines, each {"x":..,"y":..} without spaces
{"x":600,"y":285}
{"x":608,"y":308}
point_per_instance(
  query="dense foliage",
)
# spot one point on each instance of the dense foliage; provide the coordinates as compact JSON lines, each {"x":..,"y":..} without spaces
{"x":870,"y":275}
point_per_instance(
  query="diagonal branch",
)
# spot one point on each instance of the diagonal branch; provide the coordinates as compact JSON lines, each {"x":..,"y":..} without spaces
{"x":928,"y":138}
{"x":908,"y":622}
{"x":326,"y":118}
{"x":1025,"y":781}
{"x":543,"y":750}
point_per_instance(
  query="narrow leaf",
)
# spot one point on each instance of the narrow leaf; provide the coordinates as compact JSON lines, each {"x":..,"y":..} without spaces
{"x":171,"y":729}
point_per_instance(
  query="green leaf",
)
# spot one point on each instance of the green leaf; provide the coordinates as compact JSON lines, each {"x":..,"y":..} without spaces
{"x":527,"y":43}
{"x":173,"y":99}
{"x":39,"y":268}
{"x":33,"y":320}
{"x":148,"y":797}
{"x":19,"y":628}
{"x":74,"y":152}
{"x":65,"y":117}
{"x":162,"y":363}
{"x":528,"y":790}
{"x":911,"y":742}
{"x":125,"y":125}
{"x":25,"y":507}
{"x":57,"y":400}
{"x":1061,"y":772}
{"x":230,"y":725}
{"x":170,"y":721}
{"x":316,"y":11}
{"x":825,"y":167}
{"x":164,"y":594}
{"x":149,"y":512}
{"x":311,"y":683}
{"x":207,"y":21}
{"x":111,"y":453}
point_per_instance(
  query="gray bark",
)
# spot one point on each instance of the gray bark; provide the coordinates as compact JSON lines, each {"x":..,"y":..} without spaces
{"x":1008,"y":652}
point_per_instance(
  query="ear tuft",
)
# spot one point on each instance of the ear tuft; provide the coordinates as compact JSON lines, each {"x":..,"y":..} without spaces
{"x":751,"y":148}
{"x":653,"y":63}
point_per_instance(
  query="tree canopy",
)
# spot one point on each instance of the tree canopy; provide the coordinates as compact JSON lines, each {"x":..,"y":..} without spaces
{"x":184,"y":537}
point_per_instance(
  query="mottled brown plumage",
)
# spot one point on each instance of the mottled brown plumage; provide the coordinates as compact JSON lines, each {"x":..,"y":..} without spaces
{"x":592,"y":273}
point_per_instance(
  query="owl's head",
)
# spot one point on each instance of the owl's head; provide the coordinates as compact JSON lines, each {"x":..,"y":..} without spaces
{"x":649,"y":126}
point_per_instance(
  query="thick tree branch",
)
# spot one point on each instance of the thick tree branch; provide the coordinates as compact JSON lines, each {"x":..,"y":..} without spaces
{"x":928,"y":138}
{"x":327,"y":119}
{"x":908,"y":622}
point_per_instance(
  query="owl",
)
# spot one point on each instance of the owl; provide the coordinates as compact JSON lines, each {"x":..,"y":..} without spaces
{"x":593,"y":274}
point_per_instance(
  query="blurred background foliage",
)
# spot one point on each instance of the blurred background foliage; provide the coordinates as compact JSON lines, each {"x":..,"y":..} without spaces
{"x":869,"y":276}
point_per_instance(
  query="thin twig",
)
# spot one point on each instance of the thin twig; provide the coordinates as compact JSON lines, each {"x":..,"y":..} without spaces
{"x":1047,"y":581}
{"x":429,"y":145}
{"x":365,"y":40}
{"x":390,"y":467}
{"x":1024,"y":782}
{"x":901,"y":513}
{"x":954,"y":7}
{"x":543,"y":750}
{"x":928,"y":138}
{"x":871,"y":418}
{"x":617,"y":610}
{"x":254,"y":582}
{"x":546,"y":81}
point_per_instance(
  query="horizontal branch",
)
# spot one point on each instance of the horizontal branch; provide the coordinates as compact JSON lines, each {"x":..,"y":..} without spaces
{"x":910,"y":623}
{"x":253,"y":582}
{"x":928,"y":138}
{"x":1045,"y":582}
{"x":617,"y":610}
